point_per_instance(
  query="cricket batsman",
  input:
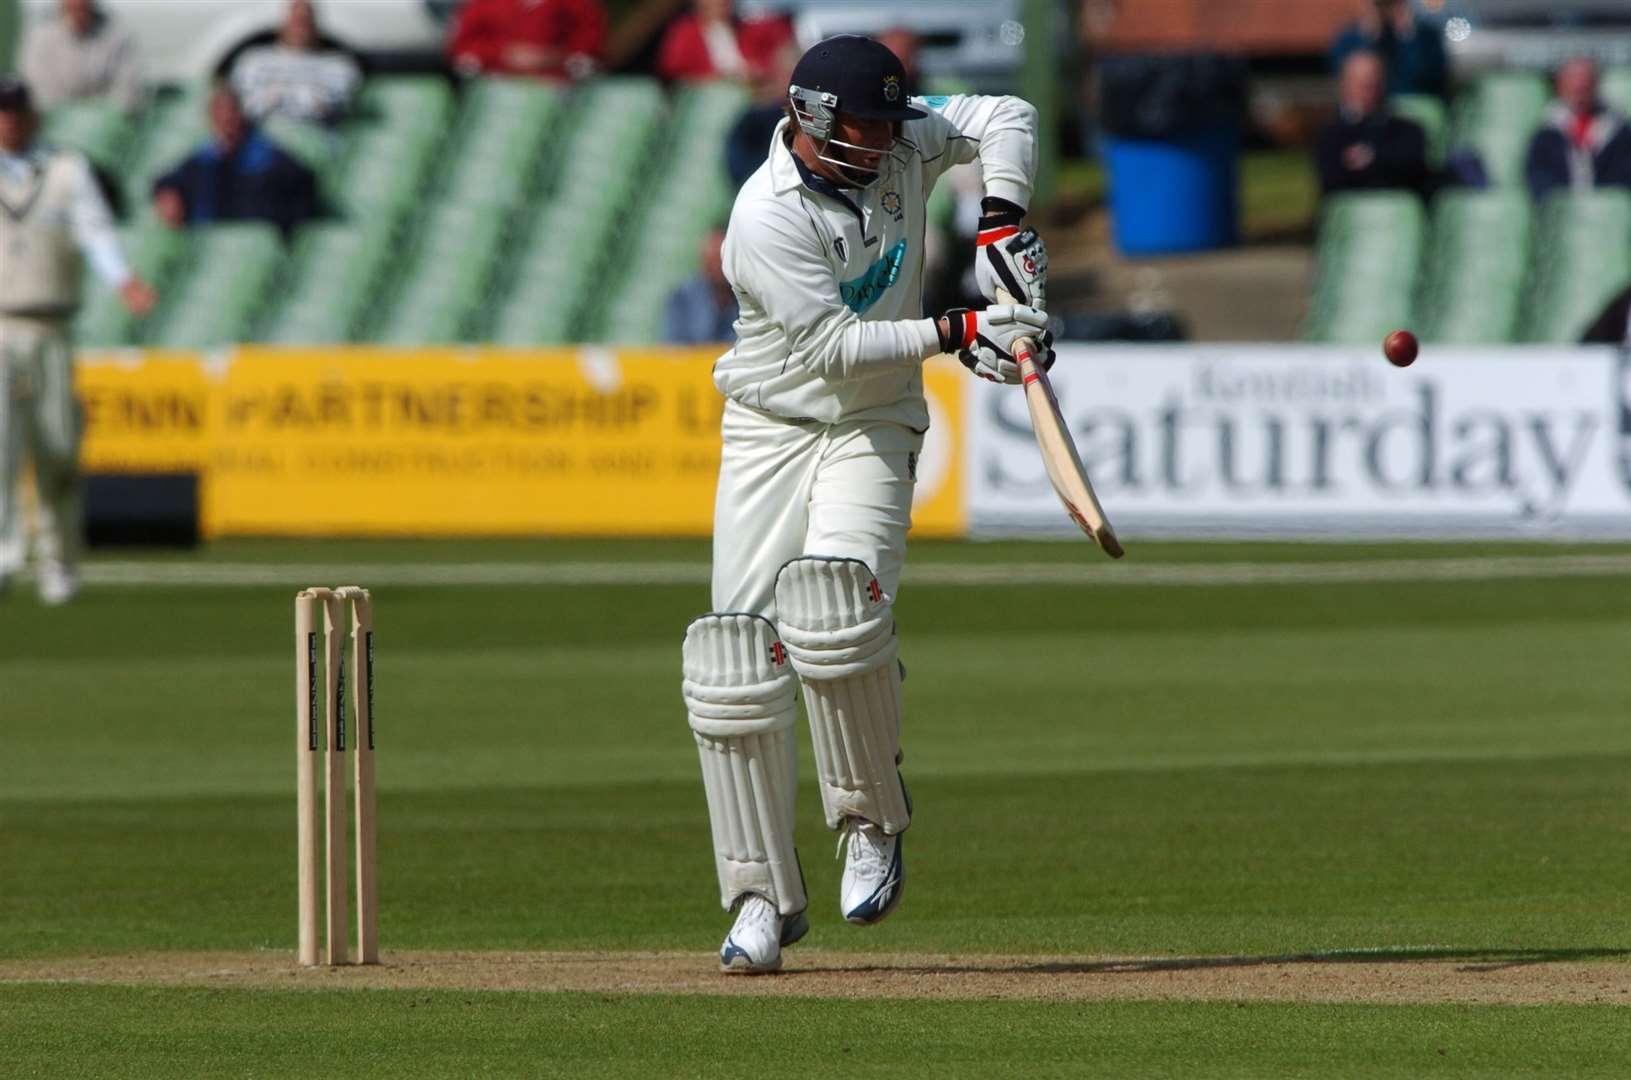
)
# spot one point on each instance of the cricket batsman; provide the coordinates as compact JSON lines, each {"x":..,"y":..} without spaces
{"x":52,"y":218}
{"x":823,"y":423}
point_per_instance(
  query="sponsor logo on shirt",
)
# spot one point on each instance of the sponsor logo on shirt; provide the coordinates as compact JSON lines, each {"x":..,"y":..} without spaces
{"x":861,"y":293}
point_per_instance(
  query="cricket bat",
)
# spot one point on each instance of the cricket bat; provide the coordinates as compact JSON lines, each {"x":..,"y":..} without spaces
{"x":1059,"y":454}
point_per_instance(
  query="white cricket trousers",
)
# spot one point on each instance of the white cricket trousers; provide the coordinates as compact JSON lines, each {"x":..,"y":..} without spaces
{"x":39,"y":417}
{"x":790,"y":488}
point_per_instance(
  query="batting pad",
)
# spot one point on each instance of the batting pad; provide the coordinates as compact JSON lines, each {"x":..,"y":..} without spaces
{"x":741,"y":695}
{"x":840,"y":632}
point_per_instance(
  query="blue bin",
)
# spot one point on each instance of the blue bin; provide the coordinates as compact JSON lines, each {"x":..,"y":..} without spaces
{"x":1176,"y":194}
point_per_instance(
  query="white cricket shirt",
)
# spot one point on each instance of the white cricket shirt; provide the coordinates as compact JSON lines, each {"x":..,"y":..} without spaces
{"x":830,"y":279}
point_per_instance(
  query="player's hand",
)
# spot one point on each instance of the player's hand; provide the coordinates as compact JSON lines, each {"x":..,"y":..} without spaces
{"x":984,"y":340}
{"x":138,"y":296}
{"x":521,"y":56}
{"x":1009,"y":257}
{"x":170,"y":208}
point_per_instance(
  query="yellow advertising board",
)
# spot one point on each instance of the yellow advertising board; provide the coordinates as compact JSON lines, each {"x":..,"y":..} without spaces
{"x":146,"y":412}
{"x":449,"y":442}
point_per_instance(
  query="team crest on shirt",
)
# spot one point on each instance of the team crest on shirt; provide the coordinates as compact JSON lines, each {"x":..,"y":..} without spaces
{"x":891,"y":88}
{"x":890,"y":202}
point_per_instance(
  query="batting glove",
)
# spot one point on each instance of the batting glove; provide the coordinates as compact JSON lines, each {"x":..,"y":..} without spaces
{"x":984,"y":340}
{"x":1008,"y":257}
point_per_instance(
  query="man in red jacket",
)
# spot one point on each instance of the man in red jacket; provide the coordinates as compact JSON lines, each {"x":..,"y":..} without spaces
{"x":711,"y":42}
{"x":549,"y":39}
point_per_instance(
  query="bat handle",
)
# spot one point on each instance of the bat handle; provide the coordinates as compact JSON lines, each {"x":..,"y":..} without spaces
{"x":1024,"y":348}
{"x":1025,"y":357}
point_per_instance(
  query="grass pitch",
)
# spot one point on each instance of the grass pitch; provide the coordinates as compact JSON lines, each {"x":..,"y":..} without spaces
{"x":1416,"y":767}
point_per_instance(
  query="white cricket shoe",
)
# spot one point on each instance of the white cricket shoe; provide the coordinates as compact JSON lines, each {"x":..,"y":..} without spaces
{"x":57,"y":584}
{"x":873,"y":872}
{"x":754,"y":945}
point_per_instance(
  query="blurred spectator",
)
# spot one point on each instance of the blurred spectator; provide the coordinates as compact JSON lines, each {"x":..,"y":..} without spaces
{"x":904,"y":44}
{"x":703,"y":310}
{"x":1584,"y":144}
{"x":1410,"y":45}
{"x":1367,"y":147}
{"x":551,"y":39}
{"x":82,"y":54}
{"x":295,"y":79}
{"x":1613,"y":326}
{"x":239,"y":175}
{"x":748,"y":143}
{"x":711,"y":42}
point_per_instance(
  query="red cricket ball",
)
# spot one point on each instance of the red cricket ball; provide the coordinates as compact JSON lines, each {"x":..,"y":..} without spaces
{"x":1401,"y":348}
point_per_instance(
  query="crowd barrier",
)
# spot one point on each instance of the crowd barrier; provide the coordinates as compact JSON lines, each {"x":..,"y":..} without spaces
{"x":1188,"y":440}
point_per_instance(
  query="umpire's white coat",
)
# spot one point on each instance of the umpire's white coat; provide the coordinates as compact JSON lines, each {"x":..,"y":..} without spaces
{"x":826,"y":412}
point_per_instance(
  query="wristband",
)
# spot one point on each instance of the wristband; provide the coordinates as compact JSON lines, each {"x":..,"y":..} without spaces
{"x":957,"y":329}
{"x":999,"y":219}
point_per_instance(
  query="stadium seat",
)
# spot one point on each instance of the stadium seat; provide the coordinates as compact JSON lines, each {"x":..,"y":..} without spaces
{"x":1496,"y":118}
{"x":98,"y":129}
{"x":335,"y":272}
{"x":446,"y":277}
{"x":1366,"y":266}
{"x":504,"y":125}
{"x":233,"y":267}
{"x":1617,"y":88}
{"x":1478,"y":257}
{"x":578,"y":240}
{"x":422,"y":103}
{"x":383,"y":175}
{"x":1584,"y":244}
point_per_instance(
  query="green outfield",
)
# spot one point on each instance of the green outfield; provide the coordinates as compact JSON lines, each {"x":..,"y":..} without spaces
{"x":1251,"y":759}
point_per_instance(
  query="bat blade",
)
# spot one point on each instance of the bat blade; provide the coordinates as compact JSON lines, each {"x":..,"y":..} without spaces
{"x":1061,"y":459}
{"x":1059,"y":454}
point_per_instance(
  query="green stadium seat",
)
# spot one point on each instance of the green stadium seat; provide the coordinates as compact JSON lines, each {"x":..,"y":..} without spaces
{"x":1478,"y":257}
{"x":1367,"y":266}
{"x":1584,"y":242}
{"x":661,"y":236}
{"x":445,"y":282}
{"x":604,"y":147}
{"x":1496,"y":118}
{"x":98,"y":129}
{"x":335,"y":271}
{"x":383,"y":175}
{"x":504,"y":125}
{"x":416,"y":103}
{"x":217,"y":300}
{"x":1616,"y":89}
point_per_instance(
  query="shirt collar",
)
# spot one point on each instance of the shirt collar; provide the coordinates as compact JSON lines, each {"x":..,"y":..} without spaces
{"x":784,"y":172}
{"x":789,"y":172}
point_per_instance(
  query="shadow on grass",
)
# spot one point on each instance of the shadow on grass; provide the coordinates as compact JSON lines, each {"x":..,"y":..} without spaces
{"x":1473,"y":960}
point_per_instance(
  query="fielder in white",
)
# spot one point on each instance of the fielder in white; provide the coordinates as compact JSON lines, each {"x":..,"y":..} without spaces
{"x":52,"y":219}
{"x":822,"y":430}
